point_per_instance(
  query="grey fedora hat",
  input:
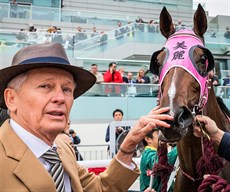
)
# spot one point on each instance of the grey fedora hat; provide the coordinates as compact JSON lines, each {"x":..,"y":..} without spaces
{"x":44,"y":55}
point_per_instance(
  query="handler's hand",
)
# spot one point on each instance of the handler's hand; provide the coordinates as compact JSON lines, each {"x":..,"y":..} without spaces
{"x":144,"y":125}
{"x":213,"y":131}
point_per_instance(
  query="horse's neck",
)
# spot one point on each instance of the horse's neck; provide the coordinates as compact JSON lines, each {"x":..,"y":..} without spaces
{"x":189,"y":151}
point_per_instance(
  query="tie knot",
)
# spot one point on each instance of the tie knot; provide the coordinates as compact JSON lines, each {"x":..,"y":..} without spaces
{"x":51,"y":156}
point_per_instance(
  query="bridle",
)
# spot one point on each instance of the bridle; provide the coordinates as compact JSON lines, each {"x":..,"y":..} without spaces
{"x":179,"y":49}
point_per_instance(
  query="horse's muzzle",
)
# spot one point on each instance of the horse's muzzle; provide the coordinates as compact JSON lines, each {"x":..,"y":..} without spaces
{"x":179,"y":127}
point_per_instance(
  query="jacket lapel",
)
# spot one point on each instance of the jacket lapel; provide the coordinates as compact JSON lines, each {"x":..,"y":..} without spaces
{"x":29,"y":169}
{"x":33,"y":174}
{"x":69,"y":164}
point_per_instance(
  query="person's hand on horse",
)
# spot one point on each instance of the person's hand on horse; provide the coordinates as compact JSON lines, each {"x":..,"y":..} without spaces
{"x":213,"y":131}
{"x":144,"y":125}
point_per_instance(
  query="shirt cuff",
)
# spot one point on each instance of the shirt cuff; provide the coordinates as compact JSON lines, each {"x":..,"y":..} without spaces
{"x":131,"y":166}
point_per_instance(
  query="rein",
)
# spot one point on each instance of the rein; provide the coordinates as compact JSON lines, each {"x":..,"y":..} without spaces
{"x":190,"y":177}
{"x":209,"y":162}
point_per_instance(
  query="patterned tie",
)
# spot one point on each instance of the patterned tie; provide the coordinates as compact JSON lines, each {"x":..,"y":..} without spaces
{"x":56,"y":170}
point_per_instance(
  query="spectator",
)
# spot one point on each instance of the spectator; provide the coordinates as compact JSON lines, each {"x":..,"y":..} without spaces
{"x":131,"y":89}
{"x":103,"y":38}
{"x":130,"y":29}
{"x":179,"y":25}
{"x":96,"y":90}
{"x":31,"y":28}
{"x":65,"y":135}
{"x":98,"y":75}
{"x":213,"y":33}
{"x":56,"y":35}
{"x":151,"y":26}
{"x":148,"y":160}
{"x":122,"y":72}
{"x":227,"y":33}
{"x":80,"y":35}
{"x":120,"y":31}
{"x":70,"y":136}
{"x":130,"y":78}
{"x":142,"y":78}
{"x":143,"y":90}
{"x":21,"y":38}
{"x":13,"y":9}
{"x":69,"y":42}
{"x":226,"y":82}
{"x":32,"y":34}
{"x":76,"y":140}
{"x":140,"y":25}
{"x":214,"y":78}
{"x":117,"y":116}
{"x":112,"y":76}
{"x":95,"y":35}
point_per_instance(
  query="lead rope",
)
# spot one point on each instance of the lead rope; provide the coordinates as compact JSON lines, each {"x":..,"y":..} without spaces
{"x":163,"y":169}
{"x":210,"y":163}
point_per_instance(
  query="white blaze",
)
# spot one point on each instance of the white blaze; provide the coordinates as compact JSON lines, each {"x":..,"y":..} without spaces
{"x":172,"y":91}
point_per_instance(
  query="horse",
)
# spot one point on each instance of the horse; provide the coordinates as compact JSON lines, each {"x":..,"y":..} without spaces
{"x":183,"y":66}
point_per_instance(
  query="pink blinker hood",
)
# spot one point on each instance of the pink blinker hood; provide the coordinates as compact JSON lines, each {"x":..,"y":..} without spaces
{"x":180,"y":47}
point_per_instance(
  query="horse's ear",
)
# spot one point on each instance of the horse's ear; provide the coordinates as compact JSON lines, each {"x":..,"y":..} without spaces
{"x":200,"y":21}
{"x":166,"y":24}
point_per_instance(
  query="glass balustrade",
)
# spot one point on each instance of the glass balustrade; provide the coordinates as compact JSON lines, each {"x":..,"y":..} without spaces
{"x":108,"y":45}
{"x":51,"y":13}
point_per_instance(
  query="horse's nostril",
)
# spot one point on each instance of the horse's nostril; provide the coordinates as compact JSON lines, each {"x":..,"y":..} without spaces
{"x":183,"y":117}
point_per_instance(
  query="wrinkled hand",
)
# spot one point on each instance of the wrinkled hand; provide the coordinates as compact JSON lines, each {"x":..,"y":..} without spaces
{"x":144,"y":125}
{"x":213,"y":131}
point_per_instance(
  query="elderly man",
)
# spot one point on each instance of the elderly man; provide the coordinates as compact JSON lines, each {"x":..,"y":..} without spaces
{"x":38,"y":90}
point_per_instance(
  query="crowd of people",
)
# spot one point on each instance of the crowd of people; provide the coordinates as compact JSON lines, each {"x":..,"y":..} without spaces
{"x":120,"y":76}
{"x":32,"y":35}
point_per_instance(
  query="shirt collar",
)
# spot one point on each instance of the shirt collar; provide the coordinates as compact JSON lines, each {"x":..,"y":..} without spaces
{"x":36,"y":145}
{"x":152,"y":148}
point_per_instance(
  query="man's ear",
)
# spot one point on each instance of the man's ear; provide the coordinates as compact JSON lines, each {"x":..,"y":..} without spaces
{"x":147,"y":139}
{"x":10,"y":98}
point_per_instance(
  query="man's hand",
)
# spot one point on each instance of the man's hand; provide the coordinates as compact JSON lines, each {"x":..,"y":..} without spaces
{"x":213,"y":131}
{"x":144,"y":125}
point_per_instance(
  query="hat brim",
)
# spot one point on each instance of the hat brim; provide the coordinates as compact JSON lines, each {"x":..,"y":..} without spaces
{"x":84,"y":79}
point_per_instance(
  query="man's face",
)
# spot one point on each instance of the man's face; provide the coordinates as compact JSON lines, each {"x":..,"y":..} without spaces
{"x":94,"y":69}
{"x":118,"y":116}
{"x":43,"y":103}
{"x":130,"y":76}
{"x":153,"y":142}
{"x":113,"y":67}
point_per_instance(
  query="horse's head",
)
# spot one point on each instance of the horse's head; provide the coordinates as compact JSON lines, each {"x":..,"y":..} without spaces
{"x":182,"y":65}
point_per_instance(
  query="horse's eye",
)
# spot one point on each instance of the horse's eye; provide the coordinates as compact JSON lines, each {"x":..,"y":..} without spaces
{"x":203,"y":59}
